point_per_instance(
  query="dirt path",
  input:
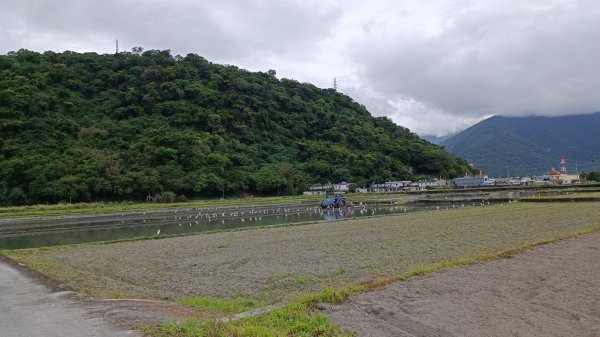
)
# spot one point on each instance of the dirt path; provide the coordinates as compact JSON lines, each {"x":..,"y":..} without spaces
{"x":552,"y":290}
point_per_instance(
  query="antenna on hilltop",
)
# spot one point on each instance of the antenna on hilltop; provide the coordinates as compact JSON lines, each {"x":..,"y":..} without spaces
{"x":335,"y":84}
{"x":117,"y":46}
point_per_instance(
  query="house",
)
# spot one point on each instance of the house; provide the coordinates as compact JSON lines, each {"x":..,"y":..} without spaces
{"x":431,"y":183}
{"x":569,"y":178}
{"x":377,"y":188}
{"x":342,"y":187}
{"x":526,"y":181}
{"x":405,"y":185}
{"x":554,"y":176}
{"x":389,"y":186}
{"x":468,"y":181}
{"x":314,"y":192}
{"x":322,"y":189}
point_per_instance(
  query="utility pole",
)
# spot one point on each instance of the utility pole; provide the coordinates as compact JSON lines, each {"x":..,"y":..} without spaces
{"x":117,"y":46}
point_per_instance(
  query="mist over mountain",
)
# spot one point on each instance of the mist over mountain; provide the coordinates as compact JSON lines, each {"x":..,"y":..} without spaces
{"x":530,"y":145}
{"x":436,"y":139}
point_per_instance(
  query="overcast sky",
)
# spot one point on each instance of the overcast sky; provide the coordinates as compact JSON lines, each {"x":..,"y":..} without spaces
{"x":433,"y":66}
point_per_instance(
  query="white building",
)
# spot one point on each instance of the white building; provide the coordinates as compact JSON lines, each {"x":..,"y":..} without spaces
{"x":432,"y":183}
{"x":389,"y":186}
{"x":470,"y":181}
{"x":322,"y":189}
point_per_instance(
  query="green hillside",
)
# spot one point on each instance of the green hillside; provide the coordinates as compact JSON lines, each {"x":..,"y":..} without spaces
{"x":530,"y":145}
{"x":111,"y":127}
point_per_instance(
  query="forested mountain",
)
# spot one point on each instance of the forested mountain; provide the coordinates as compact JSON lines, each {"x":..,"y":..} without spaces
{"x":107,"y":127}
{"x":530,"y":145}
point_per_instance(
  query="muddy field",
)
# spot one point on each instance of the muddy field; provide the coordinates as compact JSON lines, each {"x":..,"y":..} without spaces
{"x":275,"y":264}
{"x":551,"y":290}
{"x":55,"y":230}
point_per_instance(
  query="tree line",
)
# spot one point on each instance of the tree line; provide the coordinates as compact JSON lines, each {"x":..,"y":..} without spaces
{"x":89,"y":127}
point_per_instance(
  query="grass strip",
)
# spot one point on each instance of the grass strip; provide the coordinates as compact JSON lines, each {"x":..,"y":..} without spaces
{"x":569,"y":195}
{"x":209,"y":304}
{"x":301,"y":318}
{"x":108,"y":207}
{"x":124,"y":206}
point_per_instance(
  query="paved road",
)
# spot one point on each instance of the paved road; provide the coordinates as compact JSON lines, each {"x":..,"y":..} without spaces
{"x":29,"y":308}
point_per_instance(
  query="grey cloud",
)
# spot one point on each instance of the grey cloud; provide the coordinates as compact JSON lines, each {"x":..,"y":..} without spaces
{"x":528,"y":61}
{"x":222,"y":30}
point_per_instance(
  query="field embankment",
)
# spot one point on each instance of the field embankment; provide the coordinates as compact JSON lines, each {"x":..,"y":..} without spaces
{"x":42,"y":210}
{"x":276,"y":264}
{"x":580,"y":196}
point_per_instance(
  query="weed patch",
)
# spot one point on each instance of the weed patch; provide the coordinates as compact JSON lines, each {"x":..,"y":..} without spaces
{"x":304,"y":280}
{"x":218,"y":305}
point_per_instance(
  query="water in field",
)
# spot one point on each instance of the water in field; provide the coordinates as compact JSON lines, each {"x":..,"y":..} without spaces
{"x":53,"y":231}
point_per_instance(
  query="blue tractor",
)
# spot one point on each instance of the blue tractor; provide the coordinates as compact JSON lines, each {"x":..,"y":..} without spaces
{"x":334,"y":201}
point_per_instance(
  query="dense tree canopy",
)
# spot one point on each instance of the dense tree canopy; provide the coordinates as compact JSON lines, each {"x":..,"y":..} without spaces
{"x":593,"y":176}
{"x":86,"y":127}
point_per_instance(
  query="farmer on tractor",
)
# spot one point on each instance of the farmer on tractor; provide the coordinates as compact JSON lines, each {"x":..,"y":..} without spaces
{"x":334,"y":201}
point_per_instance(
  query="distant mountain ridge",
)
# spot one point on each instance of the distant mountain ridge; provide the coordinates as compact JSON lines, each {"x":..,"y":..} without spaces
{"x":436,"y":139}
{"x":530,"y":145}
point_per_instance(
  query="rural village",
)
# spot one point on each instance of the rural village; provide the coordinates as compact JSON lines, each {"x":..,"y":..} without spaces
{"x":286,"y":168}
{"x":481,"y":180}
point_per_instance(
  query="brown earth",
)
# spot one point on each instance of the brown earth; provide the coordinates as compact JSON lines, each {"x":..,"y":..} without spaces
{"x":277,"y":264}
{"x":551,"y":290}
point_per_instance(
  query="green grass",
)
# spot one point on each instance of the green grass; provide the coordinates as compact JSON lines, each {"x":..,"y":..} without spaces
{"x":297,"y":318}
{"x":294,"y":320}
{"x":218,"y":305}
{"x":124,"y":206}
{"x":300,"y":317}
{"x":570,"y":195}
{"x":108,"y":207}
{"x":304,"y":280}
{"x":339,"y":272}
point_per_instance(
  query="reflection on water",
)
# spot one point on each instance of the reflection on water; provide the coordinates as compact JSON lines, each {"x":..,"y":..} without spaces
{"x":337,"y":214}
{"x":31,"y":233}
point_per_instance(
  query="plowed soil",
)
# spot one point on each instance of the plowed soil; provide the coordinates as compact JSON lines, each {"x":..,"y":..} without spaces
{"x":551,"y":290}
{"x":276,"y":264}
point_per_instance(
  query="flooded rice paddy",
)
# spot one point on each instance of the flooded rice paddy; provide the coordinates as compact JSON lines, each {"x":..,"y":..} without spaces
{"x":35,"y":232}
{"x":61,"y":230}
